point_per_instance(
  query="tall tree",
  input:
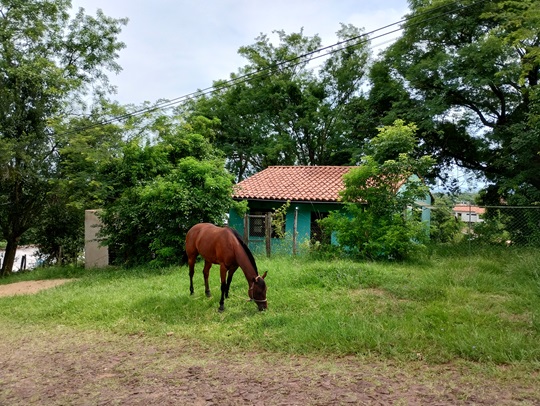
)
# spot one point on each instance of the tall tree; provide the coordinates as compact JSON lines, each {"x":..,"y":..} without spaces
{"x":281,"y":108}
{"x":467,"y":73}
{"x":162,"y":187}
{"x":84,"y":146}
{"x":47,"y":61}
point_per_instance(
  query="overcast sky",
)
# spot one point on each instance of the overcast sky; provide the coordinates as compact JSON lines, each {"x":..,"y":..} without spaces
{"x":175,"y":47}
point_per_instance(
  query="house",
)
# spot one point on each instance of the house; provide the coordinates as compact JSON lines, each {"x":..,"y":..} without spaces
{"x":468,"y":213}
{"x":313,"y":192}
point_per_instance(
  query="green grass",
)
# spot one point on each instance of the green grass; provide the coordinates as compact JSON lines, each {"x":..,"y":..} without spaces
{"x":451,"y":306}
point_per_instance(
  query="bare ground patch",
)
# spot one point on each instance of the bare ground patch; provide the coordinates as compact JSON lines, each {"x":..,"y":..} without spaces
{"x":68,"y":367}
{"x":30,"y":287}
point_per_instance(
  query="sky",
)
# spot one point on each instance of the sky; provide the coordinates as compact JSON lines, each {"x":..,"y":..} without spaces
{"x":176,"y":47}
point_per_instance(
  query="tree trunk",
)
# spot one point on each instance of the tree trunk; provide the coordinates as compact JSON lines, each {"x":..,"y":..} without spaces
{"x":9,"y":256}
{"x":59,"y":256}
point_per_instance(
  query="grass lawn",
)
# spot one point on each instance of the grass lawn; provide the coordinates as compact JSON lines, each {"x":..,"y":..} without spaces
{"x":482,"y":308}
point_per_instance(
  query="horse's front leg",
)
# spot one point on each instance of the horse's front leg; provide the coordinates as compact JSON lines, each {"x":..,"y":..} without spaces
{"x":223,"y":275}
{"x":206,"y":272}
{"x":229,"y":280}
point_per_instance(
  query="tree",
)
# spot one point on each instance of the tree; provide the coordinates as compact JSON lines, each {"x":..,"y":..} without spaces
{"x":467,"y":73}
{"x":162,"y":188}
{"x":47,"y":62}
{"x":379,"y":220}
{"x":444,"y":226}
{"x":280,"y":110}
{"x":84,"y":145}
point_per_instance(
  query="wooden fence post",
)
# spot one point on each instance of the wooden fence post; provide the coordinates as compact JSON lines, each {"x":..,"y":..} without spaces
{"x":295,"y":231}
{"x":268,"y":233}
{"x":246,"y":229}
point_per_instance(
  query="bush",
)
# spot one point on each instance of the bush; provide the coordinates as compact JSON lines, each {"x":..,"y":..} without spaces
{"x":361,"y":234}
{"x":160,"y":191}
{"x":149,"y":223}
{"x":380,"y":219}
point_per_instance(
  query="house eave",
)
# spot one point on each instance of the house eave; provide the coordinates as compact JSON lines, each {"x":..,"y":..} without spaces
{"x":292,"y":201}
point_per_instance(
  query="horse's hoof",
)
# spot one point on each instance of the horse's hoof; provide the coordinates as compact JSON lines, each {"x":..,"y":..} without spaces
{"x":191,"y":293}
{"x":208,"y":294}
{"x":221,"y":308}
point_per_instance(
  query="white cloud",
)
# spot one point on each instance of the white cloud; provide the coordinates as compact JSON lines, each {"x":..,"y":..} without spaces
{"x":177,"y":47}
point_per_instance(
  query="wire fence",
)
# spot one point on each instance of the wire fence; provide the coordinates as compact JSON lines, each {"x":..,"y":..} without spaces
{"x":500,"y":225}
{"x":467,"y":224}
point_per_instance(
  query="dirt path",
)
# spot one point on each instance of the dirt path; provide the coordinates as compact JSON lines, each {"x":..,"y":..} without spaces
{"x":30,"y":287}
{"x":76,"y":368}
{"x":70,"y":367}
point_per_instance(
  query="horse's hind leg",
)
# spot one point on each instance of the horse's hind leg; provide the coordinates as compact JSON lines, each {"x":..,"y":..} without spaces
{"x":206,"y":272}
{"x":191,"y":264}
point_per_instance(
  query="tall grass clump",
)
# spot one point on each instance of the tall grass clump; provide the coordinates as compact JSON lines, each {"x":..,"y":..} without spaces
{"x":482,"y":306}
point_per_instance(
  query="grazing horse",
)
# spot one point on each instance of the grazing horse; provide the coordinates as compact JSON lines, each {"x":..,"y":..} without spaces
{"x":225,"y":247}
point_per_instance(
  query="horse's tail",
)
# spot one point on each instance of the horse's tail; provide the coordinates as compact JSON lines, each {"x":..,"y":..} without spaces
{"x":246,"y":248}
{"x":184,"y":259}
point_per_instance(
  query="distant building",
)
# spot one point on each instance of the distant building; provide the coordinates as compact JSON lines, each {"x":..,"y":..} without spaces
{"x":468,"y":213}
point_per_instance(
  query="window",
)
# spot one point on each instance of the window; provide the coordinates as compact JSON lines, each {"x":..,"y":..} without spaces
{"x":317,"y":234}
{"x":257,"y":225}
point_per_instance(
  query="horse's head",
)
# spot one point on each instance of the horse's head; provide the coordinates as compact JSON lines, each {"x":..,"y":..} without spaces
{"x":257,"y":292}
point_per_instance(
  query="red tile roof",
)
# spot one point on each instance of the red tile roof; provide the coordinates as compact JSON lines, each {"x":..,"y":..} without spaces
{"x":295,"y":183}
{"x":466,"y":208}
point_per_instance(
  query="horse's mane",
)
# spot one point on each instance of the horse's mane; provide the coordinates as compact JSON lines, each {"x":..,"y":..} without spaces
{"x":246,"y":248}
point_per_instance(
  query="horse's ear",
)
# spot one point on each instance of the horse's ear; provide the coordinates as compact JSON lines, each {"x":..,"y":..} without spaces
{"x":264,"y":274}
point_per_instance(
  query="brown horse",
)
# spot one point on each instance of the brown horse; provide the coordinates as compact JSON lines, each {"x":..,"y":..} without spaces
{"x":225,"y":247}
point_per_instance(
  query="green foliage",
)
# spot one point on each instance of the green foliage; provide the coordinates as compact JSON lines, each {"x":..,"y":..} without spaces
{"x":48,"y":61}
{"x":378,"y":221}
{"x":444,"y":226}
{"x":161,"y":190}
{"x":467,"y":74}
{"x":509,"y":225}
{"x":60,"y":235}
{"x":279,"y":218}
{"x":392,"y":141}
{"x":240,"y":207}
{"x":491,"y":231}
{"x":288,"y":113}
{"x":83,"y":146}
{"x":363,"y":233}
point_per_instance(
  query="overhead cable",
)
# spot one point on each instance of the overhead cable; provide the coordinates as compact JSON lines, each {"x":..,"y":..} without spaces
{"x":323,"y":52}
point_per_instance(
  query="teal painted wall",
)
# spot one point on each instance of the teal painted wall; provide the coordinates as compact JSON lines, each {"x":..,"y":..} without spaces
{"x":285,"y":246}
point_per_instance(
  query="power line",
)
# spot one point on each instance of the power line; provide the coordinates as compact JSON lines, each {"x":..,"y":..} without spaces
{"x":328,"y":50}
